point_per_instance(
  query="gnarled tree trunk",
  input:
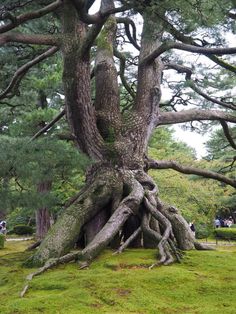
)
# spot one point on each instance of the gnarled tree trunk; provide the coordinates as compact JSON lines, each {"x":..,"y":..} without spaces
{"x":119,"y":196}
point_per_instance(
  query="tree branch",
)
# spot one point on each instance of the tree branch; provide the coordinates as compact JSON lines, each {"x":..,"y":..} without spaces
{"x":20,"y":73}
{"x":48,"y":126}
{"x":50,"y":40}
{"x":122,"y":59}
{"x":18,"y":20}
{"x":170,"y":164}
{"x":194,"y":115}
{"x":128,"y":22}
{"x":98,"y":17}
{"x":227,"y":134}
{"x":186,"y":47}
{"x":183,"y":69}
{"x":223,"y":63}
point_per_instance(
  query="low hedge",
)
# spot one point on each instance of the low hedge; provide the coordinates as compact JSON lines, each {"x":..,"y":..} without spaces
{"x":2,"y":240}
{"x":225,"y":233}
{"x":23,"y":230}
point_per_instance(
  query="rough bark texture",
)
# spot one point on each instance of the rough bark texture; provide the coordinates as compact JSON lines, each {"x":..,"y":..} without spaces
{"x":42,"y":214}
{"x":119,"y":198}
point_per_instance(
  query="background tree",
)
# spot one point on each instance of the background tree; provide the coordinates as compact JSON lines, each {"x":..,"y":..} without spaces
{"x":118,"y":189}
{"x":221,"y":156}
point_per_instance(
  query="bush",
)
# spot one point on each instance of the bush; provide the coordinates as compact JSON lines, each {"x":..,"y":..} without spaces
{"x":225,"y":233}
{"x":203,"y":231}
{"x":23,"y":230}
{"x":2,"y":240}
{"x":233,"y":226}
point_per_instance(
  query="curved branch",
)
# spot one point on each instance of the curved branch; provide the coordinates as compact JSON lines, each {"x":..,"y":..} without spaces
{"x":20,"y":73}
{"x":128,"y":22}
{"x":189,"y":40}
{"x":122,"y":59}
{"x":194,"y":115}
{"x":50,"y":40}
{"x":18,"y":20}
{"x":187,"y":47}
{"x":170,"y":164}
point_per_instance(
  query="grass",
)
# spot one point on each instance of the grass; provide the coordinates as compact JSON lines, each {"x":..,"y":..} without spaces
{"x":204,"y":283}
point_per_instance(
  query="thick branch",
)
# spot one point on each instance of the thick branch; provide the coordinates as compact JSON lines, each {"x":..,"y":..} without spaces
{"x":170,"y":164}
{"x":194,"y":115}
{"x":18,"y":20}
{"x":50,"y":40}
{"x":20,"y":73}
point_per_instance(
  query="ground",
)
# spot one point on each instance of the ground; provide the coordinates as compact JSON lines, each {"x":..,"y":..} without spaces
{"x":204,"y":283}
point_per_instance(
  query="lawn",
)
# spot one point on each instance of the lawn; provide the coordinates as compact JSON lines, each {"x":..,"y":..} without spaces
{"x":205,"y":282}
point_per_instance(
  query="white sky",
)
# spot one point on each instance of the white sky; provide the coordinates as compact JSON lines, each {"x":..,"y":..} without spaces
{"x":193,"y":139}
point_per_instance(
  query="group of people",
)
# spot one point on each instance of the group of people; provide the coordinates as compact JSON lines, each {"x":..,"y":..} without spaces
{"x":223,"y":223}
{"x":3,"y":227}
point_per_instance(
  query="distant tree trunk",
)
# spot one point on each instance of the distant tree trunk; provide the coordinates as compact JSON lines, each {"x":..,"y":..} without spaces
{"x":43,"y":214}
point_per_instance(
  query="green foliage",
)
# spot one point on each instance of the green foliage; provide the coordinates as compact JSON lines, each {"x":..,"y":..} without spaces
{"x":23,"y":230}
{"x":24,"y":165}
{"x":121,"y":284}
{"x":203,"y":231}
{"x":2,"y":240}
{"x":193,"y":197}
{"x":221,"y":158}
{"x":225,"y":233}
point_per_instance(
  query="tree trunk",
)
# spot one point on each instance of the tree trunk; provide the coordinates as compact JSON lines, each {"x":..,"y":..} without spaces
{"x":119,"y":197}
{"x":42,"y":214}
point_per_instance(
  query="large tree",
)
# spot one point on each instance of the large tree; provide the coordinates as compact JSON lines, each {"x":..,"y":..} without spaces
{"x":113,"y":125}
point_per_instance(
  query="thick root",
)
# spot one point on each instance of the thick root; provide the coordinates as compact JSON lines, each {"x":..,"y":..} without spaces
{"x":64,"y":233}
{"x":203,"y":247}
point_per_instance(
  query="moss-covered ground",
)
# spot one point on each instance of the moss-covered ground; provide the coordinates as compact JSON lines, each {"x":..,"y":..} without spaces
{"x":204,"y":283}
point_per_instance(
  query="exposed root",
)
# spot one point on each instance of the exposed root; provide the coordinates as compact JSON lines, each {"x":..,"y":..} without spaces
{"x":33,"y":246}
{"x":127,"y":206}
{"x":203,"y":247}
{"x":128,"y":241}
{"x":141,"y":202}
{"x":48,"y":265}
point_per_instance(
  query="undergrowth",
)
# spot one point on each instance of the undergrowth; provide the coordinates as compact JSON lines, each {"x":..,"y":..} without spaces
{"x":204,"y":283}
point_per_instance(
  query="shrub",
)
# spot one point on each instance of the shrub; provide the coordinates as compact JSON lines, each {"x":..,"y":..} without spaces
{"x":2,"y":240}
{"x":225,"y":233}
{"x":233,"y":226}
{"x":203,"y":231}
{"x":23,"y":230}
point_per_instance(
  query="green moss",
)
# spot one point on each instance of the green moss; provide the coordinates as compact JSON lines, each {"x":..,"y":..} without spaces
{"x":204,"y":283}
{"x":103,"y":42}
